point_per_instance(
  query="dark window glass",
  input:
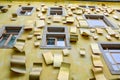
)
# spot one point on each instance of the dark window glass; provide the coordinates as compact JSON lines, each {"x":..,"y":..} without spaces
{"x":51,"y":41}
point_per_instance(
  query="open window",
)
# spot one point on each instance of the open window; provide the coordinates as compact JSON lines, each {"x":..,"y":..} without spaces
{"x":9,"y":35}
{"x":25,"y":11}
{"x":55,"y":37}
{"x":56,"y":11}
{"x":101,"y":20}
{"x":111,"y":54}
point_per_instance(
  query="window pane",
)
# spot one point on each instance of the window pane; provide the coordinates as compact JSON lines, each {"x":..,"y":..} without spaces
{"x":109,"y":58}
{"x":118,"y":66}
{"x":116,"y":57}
{"x":51,"y":41}
{"x":60,"y":39}
{"x":115,"y":67}
{"x":60,"y":42}
{"x":92,"y":23}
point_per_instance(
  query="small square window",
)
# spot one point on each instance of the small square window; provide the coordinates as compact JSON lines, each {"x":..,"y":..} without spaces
{"x":55,"y":37}
{"x":51,"y":41}
{"x":25,"y":11}
{"x":60,"y":42}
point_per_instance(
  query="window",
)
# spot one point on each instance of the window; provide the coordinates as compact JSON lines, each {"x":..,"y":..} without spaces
{"x":93,"y":7}
{"x":50,"y":41}
{"x":8,"y":36}
{"x":25,"y":11}
{"x":111,"y":54}
{"x":101,"y":21}
{"x":1,"y":7}
{"x":55,"y":41}
{"x":56,"y":11}
{"x":60,"y":42}
{"x":55,"y":37}
{"x":54,"y":29}
{"x":82,"y":6}
{"x":118,"y":11}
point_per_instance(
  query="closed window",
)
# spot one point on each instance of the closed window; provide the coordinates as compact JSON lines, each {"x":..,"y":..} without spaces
{"x":99,"y":21}
{"x":111,"y":54}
